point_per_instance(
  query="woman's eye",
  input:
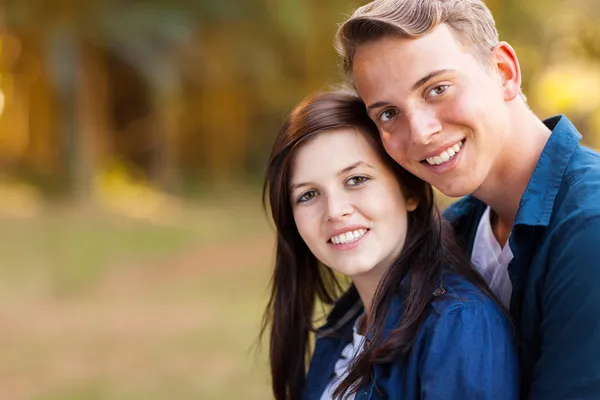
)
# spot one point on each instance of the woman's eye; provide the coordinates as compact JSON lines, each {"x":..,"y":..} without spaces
{"x":306,"y":196}
{"x":387,"y":115}
{"x":356,"y":180}
{"x":438,"y":90}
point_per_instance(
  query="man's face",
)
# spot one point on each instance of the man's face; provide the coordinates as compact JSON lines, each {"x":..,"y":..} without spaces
{"x":441,"y":112}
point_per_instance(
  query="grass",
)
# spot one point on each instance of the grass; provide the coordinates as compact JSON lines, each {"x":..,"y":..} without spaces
{"x":72,"y":247}
{"x":99,"y":306}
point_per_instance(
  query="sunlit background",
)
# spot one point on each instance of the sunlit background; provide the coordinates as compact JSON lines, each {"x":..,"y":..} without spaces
{"x":134,"y":252}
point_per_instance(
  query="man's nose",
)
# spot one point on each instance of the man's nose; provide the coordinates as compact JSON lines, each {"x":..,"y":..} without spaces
{"x":423,"y":125}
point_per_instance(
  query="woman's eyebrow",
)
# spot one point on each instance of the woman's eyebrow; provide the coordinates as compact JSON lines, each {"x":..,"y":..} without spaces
{"x":347,"y":169}
{"x":353,"y":166}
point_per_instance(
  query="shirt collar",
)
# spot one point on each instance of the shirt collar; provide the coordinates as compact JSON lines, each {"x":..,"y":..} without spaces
{"x":535,"y":207}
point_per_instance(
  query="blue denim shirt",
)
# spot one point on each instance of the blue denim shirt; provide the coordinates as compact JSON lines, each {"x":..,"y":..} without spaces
{"x":464,"y":350}
{"x":555,"y":272}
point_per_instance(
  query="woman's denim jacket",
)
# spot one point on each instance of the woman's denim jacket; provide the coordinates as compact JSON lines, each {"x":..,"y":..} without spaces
{"x":464,"y":350}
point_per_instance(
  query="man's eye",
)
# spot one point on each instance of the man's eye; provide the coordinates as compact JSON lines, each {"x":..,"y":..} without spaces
{"x":438,"y":90}
{"x":388,"y":115}
{"x":356,"y":180}
{"x":306,"y":196}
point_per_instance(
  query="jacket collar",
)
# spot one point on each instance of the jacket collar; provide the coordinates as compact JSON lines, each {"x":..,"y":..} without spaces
{"x":345,"y":312}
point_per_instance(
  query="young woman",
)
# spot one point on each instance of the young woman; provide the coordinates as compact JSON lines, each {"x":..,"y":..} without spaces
{"x":416,"y":322}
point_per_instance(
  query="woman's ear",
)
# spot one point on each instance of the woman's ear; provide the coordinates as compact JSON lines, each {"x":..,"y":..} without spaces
{"x":411,"y":204}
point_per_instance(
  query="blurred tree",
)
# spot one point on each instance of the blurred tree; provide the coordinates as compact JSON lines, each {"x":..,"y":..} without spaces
{"x":196,"y":90}
{"x":78,"y":35}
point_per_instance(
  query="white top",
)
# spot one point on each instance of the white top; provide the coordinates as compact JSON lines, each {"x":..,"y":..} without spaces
{"x":341,"y":368}
{"x":491,"y":260}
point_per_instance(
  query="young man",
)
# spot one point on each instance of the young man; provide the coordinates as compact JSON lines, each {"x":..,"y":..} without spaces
{"x":445,"y":94}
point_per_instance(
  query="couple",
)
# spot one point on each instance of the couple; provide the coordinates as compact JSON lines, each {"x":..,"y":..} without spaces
{"x":349,"y":187}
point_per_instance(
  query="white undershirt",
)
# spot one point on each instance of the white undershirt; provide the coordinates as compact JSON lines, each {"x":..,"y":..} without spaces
{"x":341,"y":368}
{"x":491,"y":260}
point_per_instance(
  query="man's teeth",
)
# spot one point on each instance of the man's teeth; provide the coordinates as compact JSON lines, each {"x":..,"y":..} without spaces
{"x":445,"y":155}
{"x":348,"y":237}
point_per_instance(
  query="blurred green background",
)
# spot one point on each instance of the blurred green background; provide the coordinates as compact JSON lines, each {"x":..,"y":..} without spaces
{"x":134,"y":253}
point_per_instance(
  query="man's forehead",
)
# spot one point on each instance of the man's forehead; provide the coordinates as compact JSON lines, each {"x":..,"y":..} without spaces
{"x":402,"y":62}
{"x":434,"y":47}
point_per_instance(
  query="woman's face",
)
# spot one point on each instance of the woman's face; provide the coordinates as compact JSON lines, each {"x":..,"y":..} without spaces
{"x":347,"y":204}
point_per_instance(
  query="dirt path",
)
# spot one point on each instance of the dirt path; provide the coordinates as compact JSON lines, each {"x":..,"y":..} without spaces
{"x":144,"y":329}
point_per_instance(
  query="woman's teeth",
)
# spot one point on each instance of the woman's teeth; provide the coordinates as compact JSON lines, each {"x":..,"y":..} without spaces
{"x":348,"y":237}
{"x":445,"y":155}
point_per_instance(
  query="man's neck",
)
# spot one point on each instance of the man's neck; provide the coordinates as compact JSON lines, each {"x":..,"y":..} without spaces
{"x":500,"y":228}
{"x":508,"y":179}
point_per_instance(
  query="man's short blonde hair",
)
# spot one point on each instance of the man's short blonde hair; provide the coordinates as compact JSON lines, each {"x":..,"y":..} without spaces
{"x":470,"y":20}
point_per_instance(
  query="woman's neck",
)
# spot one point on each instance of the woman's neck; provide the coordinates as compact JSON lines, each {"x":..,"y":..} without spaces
{"x":366,"y":285}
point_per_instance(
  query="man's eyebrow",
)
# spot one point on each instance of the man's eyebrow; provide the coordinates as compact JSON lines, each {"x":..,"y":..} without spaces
{"x":379,"y":104}
{"x":416,"y":86}
{"x":428,"y":77}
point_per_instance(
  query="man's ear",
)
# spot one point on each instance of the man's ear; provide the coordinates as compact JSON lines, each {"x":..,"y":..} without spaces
{"x":507,"y":65}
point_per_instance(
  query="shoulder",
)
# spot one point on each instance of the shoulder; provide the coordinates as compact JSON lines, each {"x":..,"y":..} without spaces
{"x":586,"y":156}
{"x":467,"y":347}
{"x":459,"y":303}
{"x":465,"y":323}
{"x":577,"y":205}
{"x":465,"y":303}
{"x":583,"y":169}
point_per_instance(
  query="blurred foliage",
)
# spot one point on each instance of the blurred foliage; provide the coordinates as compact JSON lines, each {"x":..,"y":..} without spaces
{"x":120,"y":191}
{"x":189,"y":94}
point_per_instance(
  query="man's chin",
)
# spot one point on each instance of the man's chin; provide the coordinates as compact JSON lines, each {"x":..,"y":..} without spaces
{"x":454,"y":192}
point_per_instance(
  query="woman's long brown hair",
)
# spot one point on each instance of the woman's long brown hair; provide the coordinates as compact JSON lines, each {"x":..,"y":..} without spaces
{"x":299,"y":280}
